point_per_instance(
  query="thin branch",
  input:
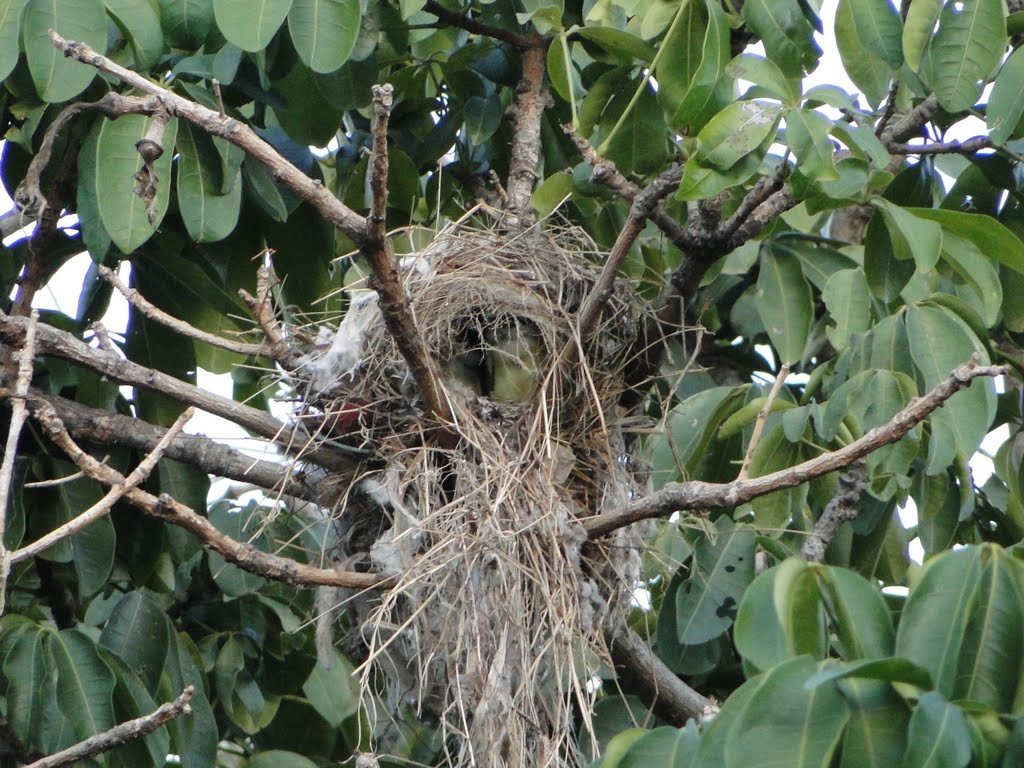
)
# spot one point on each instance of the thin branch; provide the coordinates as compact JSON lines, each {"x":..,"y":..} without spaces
{"x":966,"y":147}
{"x":243,"y":555}
{"x":122,"y":733}
{"x":841,"y":508}
{"x":641,"y":669}
{"x":102,"y":507}
{"x":51,"y":341}
{"x":213,"y":458}
{"x":909,"y":124}
{"x":153,"y":312}
{"x":762,"y":417}
{"x":19,"y":412}
{"x":262,"y":308}
{"x":523,"y":42}
{"x":699,"y":495}
{"x":239,"y":134}
{"x":14,"y":220}
{"x":394,"y":304}
{"x":525,"y":153}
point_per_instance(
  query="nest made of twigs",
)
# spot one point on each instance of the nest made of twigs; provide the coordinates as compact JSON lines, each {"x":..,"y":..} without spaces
{"x":496,"y":621}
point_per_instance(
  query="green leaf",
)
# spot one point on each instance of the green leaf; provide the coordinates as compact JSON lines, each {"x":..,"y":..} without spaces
{"x":617,"y":41}
{"x":186,"y":23}
{"x":858,"y":614}
{"x":912,"y":236}
{"x":892,"y":670}
{"x":308,"y":117}
{"x":940,"y":341}
{"x":798,"y":606}
{"x":992,"y":237}
{"x":123,"y":212}
{"x":710,"y":87}
{"x":707,"y":601}
{"x":876,"y":733}
{"x":551,"y":193}
{"x":85,"y":684}
{"x":978,"y":273}
{"x":758,"y":633}
{"x":10,"y":26}
{"x":681,"y":54}
{"x":94,"y":234}
{"x":918,"y":29}
{"x":965,"y":50}
{"x":864,"y":65}
{"x":787,"y":724}
{"x":666,"y":746}
{"x":208,"y":215}
{"x":1006,"y":102}
{"x":767,"y":76}
{"x":194,"y":738}
{"x":241,"y":525}
{"x":700,"y":183}
{"x":333,"y":690}
{"x":136,"y":632}
{"x":937,"y":736}
{"x":848,"y":299}
{"x":324,"y":31}
{"x":56,"y":77}
{"x":250,"y":24}
{"x":139,"y":22}
{"x":26,"y":676}
{"x":786,"y":34}
{"x":808,"y":133}
{"x":683,"y":659}
{"x":734,"y":133}
{"x":277,"y":758}
{"x":785,"y":304}
{"x":879,"y":28}
{"x":92,"y":548}
{"x":640,"y":143}
{"x":483,"y":116}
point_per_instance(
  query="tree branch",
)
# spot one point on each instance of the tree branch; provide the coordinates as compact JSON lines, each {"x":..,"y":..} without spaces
{"x":699,"y":495}
{"x":245,"y":556}
{"x":762,"y":417}
{"x":239,"y":134}
{"x":394,"y":304}
{"x":147,"y":308}
{"x":657,"y":685}
{"x":106,"y":428}
{"x":841,"y":508}
{"x":262,"y":308}
{"x":966,"y":147}
{"x":525,"y":152}
{"x":523,"y":42}
{"x":51,"y":341}
{"x":19,"y":412}
{"x":103,"y":506}
{"x":119,"y":734}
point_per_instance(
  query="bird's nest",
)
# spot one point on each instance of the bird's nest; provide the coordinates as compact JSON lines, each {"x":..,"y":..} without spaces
{"x":495,"y":625}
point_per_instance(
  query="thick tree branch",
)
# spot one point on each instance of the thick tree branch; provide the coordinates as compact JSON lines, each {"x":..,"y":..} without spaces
{"x":51,"y":341}
{"x":102,"y":507}
{"x":642,"y":670}
{"x":106,"y":428}
{"x":119,"y":734}
{"x":239,"y":134}
{"x":469,"y":24}
{"x":153,"y":312}
{"x":245,"y":556}
{"x":699,"y":495}
{"x":393,"y":301}
{"x":525,"y":153}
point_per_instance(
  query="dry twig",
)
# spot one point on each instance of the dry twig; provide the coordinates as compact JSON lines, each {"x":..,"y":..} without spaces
{"x":699,"y":495}
{"x":262,"y":307}
{"x":762,"y":416}
{"x":121,"y":733}
{"x":103,"y":506}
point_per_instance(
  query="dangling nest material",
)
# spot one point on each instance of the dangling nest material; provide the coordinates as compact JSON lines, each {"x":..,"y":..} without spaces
{"x":495,"y":625}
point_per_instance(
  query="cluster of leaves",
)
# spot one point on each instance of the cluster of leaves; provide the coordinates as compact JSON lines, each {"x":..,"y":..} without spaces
{"x":129,"y":611}
{"x":838,"y":674}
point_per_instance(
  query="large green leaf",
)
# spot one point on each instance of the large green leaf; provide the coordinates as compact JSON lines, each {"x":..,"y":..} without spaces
{"x":876,"y":733}
{"x":734,"y":133}
{"x":194,"y":738}
{"x":26,"y":676}
{"x":332,"y":689}
{"x":922,"y":16}
{"x":10,"y":26}
{"x":785,"y":303}
{"x":277,"y":758}
{"x":85,"y":684}
{"x":186,"y":23}
{"x":807,"y":132}
{"x":937,"y":736}
{"x":912,"y":236}
{"x":664,"y":747}
{"x":1006,"y":102}
{"x":123,"y":212}
{"x":787,"y":724}
{"x":965,"y":50}
{"x":864,"y":64}
{"x":208,"y":215}
{"x":639,"y":144}
{"x":58,"y":78}
{"x":858,"y":614}
{"x":786,"y":33}
{"x":140,"y":24}
{"x":848,"y":299}
{"x":250,"y":24}
{"x":707,"y":601}
{"x":758,"y":634}
{"x":992,"y":237}
{"x":136,"y":632}
{"x":681,"y":54}
{"x":324,"y":31}
{"x":940,"y":341}
{"x":797,"y":599}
